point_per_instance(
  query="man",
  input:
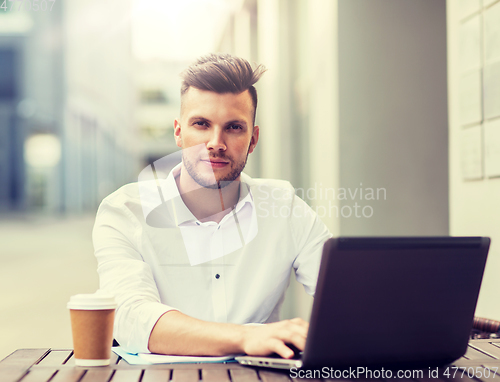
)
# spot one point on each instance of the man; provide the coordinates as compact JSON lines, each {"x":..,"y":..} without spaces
{"x":220,"y":249}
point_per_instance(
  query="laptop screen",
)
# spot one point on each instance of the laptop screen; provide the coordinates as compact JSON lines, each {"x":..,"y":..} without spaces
{"x":395,"y":301}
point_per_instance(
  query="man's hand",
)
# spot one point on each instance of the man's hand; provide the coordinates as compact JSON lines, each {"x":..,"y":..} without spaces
{"x":266,"y":339}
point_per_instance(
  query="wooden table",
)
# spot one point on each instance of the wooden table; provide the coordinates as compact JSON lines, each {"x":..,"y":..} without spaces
{"x":44,"y":365}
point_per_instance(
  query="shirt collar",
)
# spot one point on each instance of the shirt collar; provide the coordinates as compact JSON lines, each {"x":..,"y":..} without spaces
{"x":181,"y":212}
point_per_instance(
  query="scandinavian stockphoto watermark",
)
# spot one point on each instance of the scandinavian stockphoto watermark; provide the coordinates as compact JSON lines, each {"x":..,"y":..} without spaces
{"x":326,"y":202}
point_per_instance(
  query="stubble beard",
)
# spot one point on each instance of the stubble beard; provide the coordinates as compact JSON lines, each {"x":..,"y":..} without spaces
{"x":236,"y":169}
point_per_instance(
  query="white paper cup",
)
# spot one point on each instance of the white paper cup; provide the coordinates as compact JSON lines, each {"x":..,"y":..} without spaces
{"x":92,"y":317}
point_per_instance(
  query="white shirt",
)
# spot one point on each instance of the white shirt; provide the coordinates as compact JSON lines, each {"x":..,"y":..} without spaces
{"x":155,"y":258}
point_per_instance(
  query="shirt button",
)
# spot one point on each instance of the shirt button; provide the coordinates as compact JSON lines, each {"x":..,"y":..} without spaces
{"x":197,"y":223}
{"x":217,"y":276}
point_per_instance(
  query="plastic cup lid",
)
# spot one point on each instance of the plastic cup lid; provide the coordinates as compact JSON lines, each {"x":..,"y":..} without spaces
{"x":96,"y":301}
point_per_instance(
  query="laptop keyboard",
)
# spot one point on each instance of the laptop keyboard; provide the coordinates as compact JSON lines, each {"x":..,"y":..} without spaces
{"x":296,"y":356}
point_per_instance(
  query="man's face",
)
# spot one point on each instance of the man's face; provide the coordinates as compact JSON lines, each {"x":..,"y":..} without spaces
{"x":221,"y":125}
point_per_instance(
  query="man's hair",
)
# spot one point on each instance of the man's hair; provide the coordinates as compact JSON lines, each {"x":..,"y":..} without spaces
{"x":222,"y":73}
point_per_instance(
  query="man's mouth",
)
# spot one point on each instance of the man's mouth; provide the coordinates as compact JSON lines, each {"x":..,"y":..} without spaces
{"x":215,"y":163}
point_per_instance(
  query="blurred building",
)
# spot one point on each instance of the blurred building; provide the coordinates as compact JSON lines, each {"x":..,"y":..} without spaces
{"x":157,"y":83}
{"x":352,"y":110}
{"x":473,"y":29}
{"x":354,"y":94}
{"x":15,"y":29}
{"x":66,"y":105}
{"x":382,"y":94}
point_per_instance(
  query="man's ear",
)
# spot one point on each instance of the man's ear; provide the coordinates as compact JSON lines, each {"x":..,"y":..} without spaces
{"x":254,"y":140}
{"x":177,"y":133}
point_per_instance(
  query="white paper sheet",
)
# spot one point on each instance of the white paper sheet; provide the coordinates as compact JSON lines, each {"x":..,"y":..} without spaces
{"x":159,"y":358}
{"x":131,"y":358}
{"x":150,"y":359}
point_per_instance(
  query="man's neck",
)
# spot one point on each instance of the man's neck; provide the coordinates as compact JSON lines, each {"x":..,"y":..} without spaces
{"x":207,"y":204}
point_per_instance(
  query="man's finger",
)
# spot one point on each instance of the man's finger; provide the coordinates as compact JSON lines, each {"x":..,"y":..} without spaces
{"x":283,"y":350}
{"x":299,"y":342}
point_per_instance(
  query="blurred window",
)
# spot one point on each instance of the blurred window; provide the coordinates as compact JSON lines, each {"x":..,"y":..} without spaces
{"x":42,"y":150}
{"x":7,"y":75}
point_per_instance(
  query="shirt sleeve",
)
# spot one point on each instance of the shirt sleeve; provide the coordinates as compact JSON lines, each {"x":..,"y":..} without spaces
{"x":309,"y":234}
{"x":123,"y":273}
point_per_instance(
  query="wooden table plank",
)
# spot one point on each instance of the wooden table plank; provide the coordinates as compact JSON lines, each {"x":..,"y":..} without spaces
{"x":425,"y":378}
{"x":11,"y":374}
{"x":55,"y":358}
{"x":244,"y":375}
{"x":273,"y":376}
{"x":24,"y":358}
{"x":186,"y":375}
{"x":486,"y":347}
{"x":14,"y":366}
{"x":310,"y":380}
{"x":215,"y":375}
{"x":39,"y":375}
{"x":98,"y":375}
{"x":473,"y":354}
{"x":127,"y":375}
{"x":466,"y":363}
{"x":197,"y":366}
{"x":482,"y":355}
{"x":68,"y":375}
{"x":71,"y":360}
{"x":156,"y":375}
{"x":115,"y":359}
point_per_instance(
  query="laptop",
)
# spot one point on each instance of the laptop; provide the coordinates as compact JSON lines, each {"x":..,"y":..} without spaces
{"x":394,"y":302}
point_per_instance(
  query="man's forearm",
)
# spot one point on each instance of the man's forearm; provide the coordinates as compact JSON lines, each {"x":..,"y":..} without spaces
{"x":178,"y":334}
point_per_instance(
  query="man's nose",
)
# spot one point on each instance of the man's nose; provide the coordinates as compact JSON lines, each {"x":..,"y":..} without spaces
{"x":216,"y":141}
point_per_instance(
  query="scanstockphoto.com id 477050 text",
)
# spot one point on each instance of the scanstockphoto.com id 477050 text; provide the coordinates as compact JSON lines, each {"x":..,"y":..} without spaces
{"x":26,"y":5}
{"x":452,"y":372}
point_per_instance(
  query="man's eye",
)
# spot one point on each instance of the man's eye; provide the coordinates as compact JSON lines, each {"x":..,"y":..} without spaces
{"x":235,"y":127}
{"x":200,"y":123}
